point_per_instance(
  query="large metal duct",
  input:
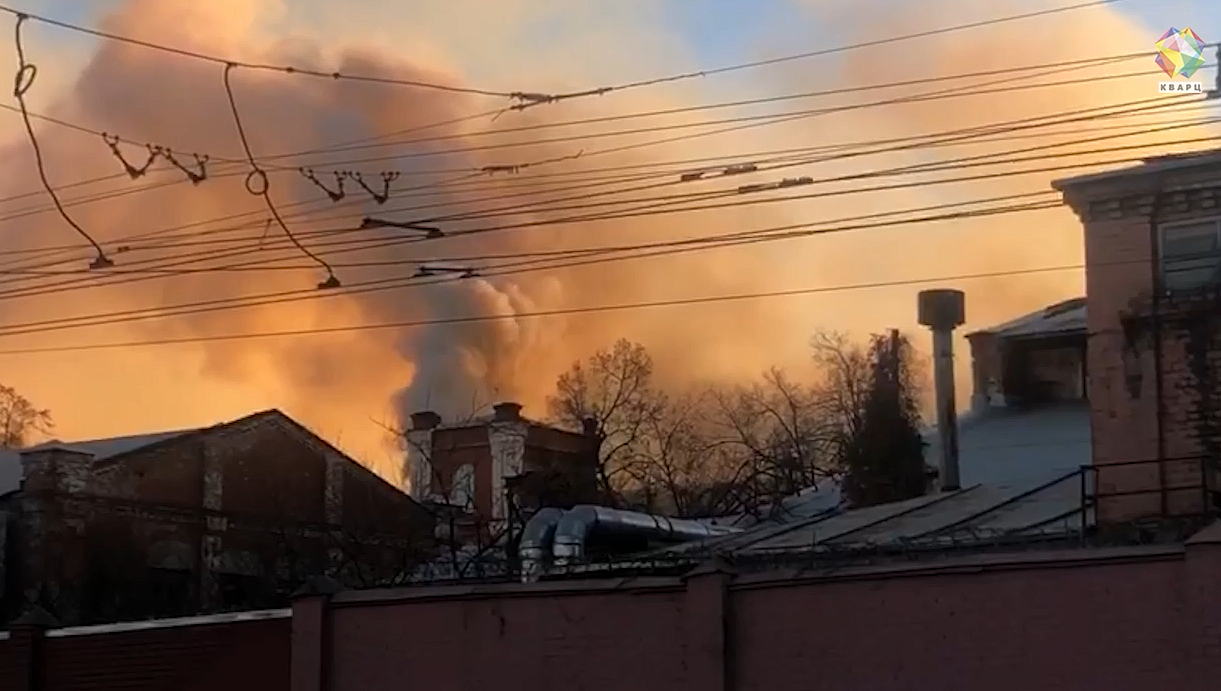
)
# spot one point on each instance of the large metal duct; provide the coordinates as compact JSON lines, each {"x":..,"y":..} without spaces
{"x":580,"y":522}
{"x":535,"y":545}
{"x":559,"y":537}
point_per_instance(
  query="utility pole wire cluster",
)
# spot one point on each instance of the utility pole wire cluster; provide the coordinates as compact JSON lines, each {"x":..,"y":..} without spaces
{"x":512,"y":167}
{"x":581,"y":258}
{"x":337,"y":193}
{"x":196,"y":175}
{"x":652,"y":202}
{"x":645,"y":207}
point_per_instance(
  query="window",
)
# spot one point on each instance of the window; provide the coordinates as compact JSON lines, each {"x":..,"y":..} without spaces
{"x":1191,"y":256}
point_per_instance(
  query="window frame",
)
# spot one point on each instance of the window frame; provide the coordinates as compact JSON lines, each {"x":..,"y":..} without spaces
{"x":1163,"y":229}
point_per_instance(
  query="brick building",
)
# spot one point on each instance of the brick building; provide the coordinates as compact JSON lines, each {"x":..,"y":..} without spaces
{"x":230,"y":516}
{"x":1153,"y":277}
{"x":477,"y":465}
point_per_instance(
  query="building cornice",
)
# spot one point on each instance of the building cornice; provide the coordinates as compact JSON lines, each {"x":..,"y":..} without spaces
{"x":1186,"y":201}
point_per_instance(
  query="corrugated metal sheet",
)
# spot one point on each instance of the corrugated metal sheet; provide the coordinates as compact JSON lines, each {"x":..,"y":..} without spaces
{"x":1021,"y":475}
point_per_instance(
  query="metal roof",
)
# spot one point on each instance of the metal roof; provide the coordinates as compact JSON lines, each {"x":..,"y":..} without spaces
{"x":1150,"y":166}
{"x":1021,"y":473}
{"x":1062,"y":318}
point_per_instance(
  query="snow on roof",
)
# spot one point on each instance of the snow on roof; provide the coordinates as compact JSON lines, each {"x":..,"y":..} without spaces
{"x":100,"y":449}
{"x":1020,"y":476}
{"x":1067,"y":317}
{"x":1149,"y":166}
{"x":199,"y":620}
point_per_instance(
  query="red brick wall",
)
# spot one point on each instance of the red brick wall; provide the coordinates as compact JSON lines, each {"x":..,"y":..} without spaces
{"x":1136,"y":619}
{"x":1131,"y":619}
{"x":455,"y":447}
{"x":1123,"y":377}
{"x":599,"y":640}
{"x":234,"y":656}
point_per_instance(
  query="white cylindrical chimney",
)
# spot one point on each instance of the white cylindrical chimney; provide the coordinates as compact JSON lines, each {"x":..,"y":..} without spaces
{"x":943,"y":311}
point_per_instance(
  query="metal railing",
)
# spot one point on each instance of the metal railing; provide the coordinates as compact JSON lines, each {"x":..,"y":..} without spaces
{"x":1111,"y":492}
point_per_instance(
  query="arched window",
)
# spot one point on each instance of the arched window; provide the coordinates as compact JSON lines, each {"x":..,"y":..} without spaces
{"x":463,"y":487}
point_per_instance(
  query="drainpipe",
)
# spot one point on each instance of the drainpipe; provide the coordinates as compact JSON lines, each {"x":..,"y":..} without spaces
{"x":1155,"y":254}
{"x":943,"y":311}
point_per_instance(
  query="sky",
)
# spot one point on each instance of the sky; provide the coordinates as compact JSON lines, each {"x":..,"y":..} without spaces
{"x":345,"y":385}
{"x":717,"y":31}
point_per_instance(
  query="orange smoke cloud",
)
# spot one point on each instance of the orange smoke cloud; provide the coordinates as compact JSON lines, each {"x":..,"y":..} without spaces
{"x":336,"y":382}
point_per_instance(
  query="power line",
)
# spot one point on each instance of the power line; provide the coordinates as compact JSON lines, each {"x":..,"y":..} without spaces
{"x":785,"y":232}
{"x":603,"y":119}
{"x":525,"y":98}
{"x":1159,"y":103}
{"x":738,"y":297}
{"x":1073,"y":64}
{"x":991,"y":130}
{"x":286,"y":69}
{"x":647,"y":207}
{"x":26,"y":73}
{"x":258,"y":185}
{"x":866,"y":44}
{"x":259,"y":266}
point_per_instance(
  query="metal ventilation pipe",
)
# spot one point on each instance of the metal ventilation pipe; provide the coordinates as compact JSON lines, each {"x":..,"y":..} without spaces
{"x":534,"y":548}
{"x":577,"y":524}
{"x":943,"y":311}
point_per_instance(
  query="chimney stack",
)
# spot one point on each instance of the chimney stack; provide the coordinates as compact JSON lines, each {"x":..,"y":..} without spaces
{"x":506,"y":412}
{"x":589,"y":427}
{"x":943,"y":311}
{"x":425,"y":420}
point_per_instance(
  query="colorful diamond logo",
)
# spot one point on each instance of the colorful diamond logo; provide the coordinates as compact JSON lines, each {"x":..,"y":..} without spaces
{"x":1180,"y":53}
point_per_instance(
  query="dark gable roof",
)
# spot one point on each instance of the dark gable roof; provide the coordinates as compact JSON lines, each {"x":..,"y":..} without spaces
{"x":115,"y":449}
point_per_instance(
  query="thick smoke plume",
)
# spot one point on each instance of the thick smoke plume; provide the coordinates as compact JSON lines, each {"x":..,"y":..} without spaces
{"x":337,"y":382}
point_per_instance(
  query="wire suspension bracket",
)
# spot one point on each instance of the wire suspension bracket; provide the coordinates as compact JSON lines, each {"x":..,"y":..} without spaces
{"x":22,"y":81}
{"x":258,"y":185}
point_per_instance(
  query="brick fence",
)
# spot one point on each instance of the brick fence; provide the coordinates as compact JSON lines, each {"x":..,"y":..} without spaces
{"x":1144,"y":618}
{"x":242,"y":652}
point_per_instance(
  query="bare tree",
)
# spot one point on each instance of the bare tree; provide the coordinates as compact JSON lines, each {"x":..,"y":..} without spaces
{"x":613,"y":389}
{"x":20,"y":419}
{"x":778,"y":439}
{"x":671,"y":466}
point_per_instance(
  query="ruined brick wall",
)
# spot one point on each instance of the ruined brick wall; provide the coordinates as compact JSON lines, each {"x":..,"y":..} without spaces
{"x":1122,"y":620}
{"x":209,"y":514}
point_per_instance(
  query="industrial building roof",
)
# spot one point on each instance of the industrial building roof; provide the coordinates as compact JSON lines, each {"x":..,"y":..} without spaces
{"x":1150,"y":166}
{"x":1063,"y":318}
{"x":1021,"y":477}
{"x":100,"y":449}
